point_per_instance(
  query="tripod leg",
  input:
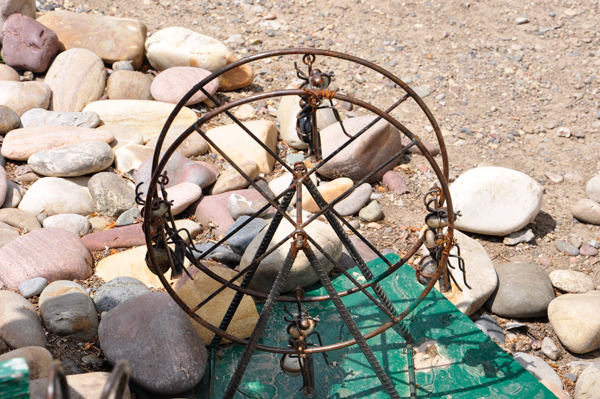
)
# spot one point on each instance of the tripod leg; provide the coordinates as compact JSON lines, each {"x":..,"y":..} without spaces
{"x":347,"y":317}
{"x":236,"y":378}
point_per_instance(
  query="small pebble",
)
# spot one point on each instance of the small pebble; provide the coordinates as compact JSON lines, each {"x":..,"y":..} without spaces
{"x":33,"y":287}
{"x":569,"y":249}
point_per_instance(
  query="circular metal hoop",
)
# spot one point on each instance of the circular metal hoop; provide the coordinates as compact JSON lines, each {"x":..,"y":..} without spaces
{"x":159,"y":163}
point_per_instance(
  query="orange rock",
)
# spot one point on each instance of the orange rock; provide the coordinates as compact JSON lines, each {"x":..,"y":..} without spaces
{"x":237,"y":78}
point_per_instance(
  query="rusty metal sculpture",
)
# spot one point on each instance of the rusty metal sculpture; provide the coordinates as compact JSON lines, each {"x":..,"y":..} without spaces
{"x":160,"y":230}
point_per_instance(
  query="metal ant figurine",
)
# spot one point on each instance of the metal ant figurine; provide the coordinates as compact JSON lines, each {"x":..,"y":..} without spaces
{"x":306,"y":124}
{"x":164,"y":233}
{"x":301,"y":328}
{"x":436,"y":221}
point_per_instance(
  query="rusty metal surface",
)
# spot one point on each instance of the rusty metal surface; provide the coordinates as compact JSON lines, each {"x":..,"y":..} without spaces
{"x":161,"y":233}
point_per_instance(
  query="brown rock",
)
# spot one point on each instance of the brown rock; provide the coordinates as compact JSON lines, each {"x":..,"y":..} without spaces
{"x":112,"y":39}
{"x":365,"y":154}
{"x":20,"y":144}
{"x":173,"y":83}
{"x":240,"y":147}
{"x":7,"y":73}
{"x":329,"y":191}
{"x":195,"y":291}
{"x":23,"y":96}
{"x":81,"y":386}
{"x":236,"y":78}
{"x":27,"y":44}
{"x":394,"y":182}
{"x":149,"y":331}
{"x":587,"y":211}
{"x":52,"y":253}
{"x":433,"y":149}
{"x":19,"y":219}
{"x":233,"y":180}
{"x":38,"y":360}
{"x":129,"y":85}
{"x":9,"y":120}
{"x":119,"y":237}
{"x":77,"y":77}
{"x":213,"y":209}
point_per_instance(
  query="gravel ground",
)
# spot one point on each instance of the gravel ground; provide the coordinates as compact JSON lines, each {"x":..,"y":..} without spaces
{"x":505,"y":77}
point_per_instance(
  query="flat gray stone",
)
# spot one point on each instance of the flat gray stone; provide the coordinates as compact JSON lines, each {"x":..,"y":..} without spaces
{"x":128,"y":217}
{"x":422,"y":91}
{"x":39,"y":117}
{"x":73,"y":160}
{"x":32,"y":287}
{"x":240,"y":240}
{"x":111,"y":194}
{"x":221,"y":254}
{"x":550,"y":349}
{"x":355,"y":201}
{"x":20,"y":325}
{"x":117,"y":291}
{"x":566,"y":248}
{"x":67,"y":310}
{"x":538,"y":367}
{"x":524,"y":290}
{"x":490,"y":327}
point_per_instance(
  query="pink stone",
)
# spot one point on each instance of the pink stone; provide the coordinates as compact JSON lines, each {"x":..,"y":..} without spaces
{"x":27,"y":44}
{"x":183,"y":195}
{"x":173,"y":83}
{"x":120,"y":237}
{"x":545,"y":261}
{"x":394,"y":182}
{"x":52,"y":253}
{"x":588,"y":250}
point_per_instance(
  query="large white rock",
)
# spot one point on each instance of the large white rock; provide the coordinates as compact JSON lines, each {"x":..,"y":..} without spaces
{"x":481,"y":275}
{"x":301,"y":273}
{"x":576,"y":320}
{"x":148,"y":117}
{"x":53,"y":195}
{"x":289,"y":107}
{"x":175,"y":46}
{"x":495,"y":201}
{"x":240,"y":147}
